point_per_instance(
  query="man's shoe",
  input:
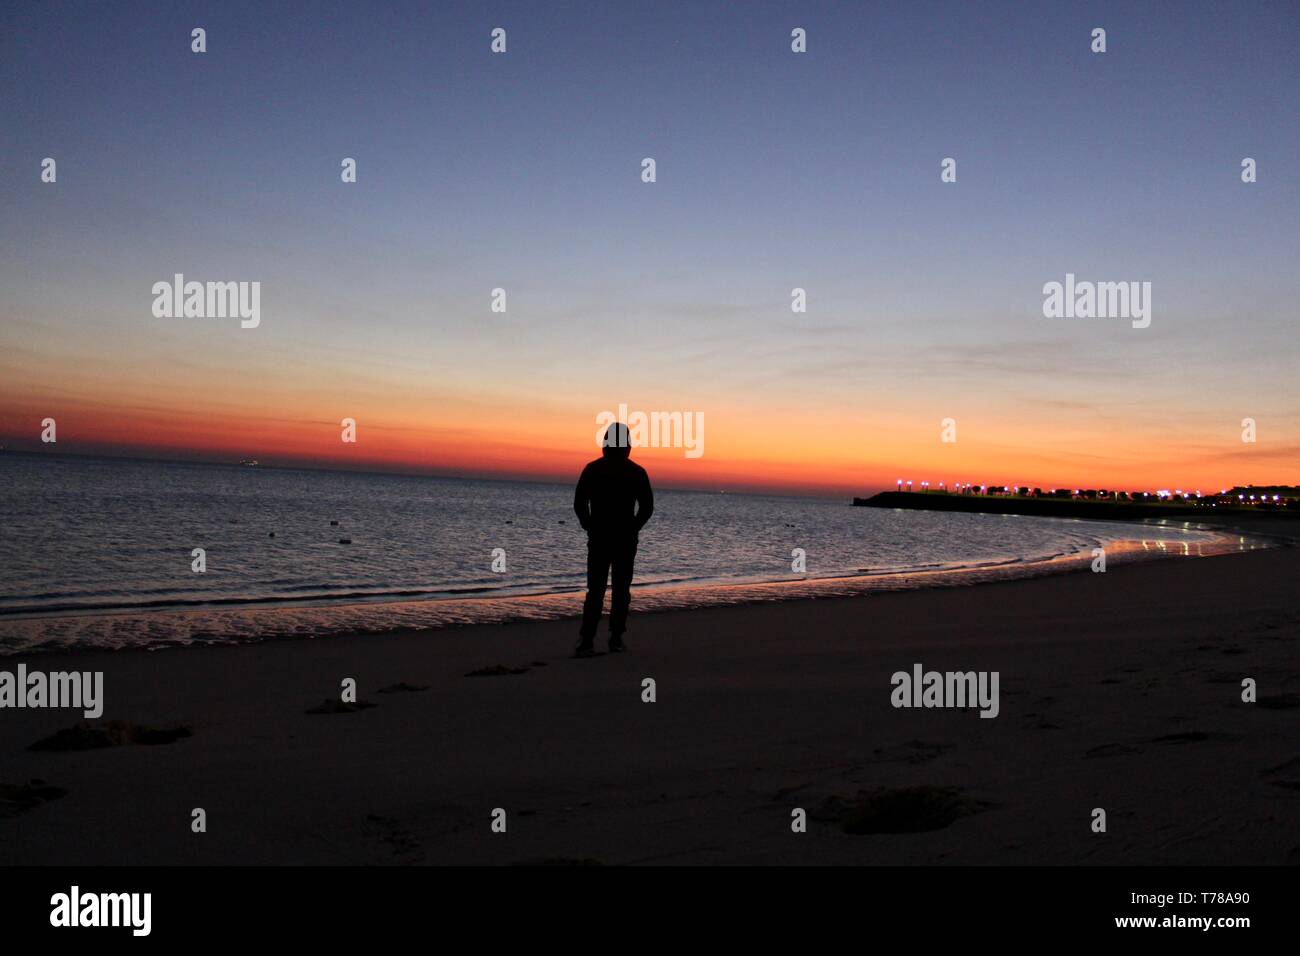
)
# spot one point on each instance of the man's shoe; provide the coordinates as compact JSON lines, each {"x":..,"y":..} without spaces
{"x":616,"y":645}
{"x":584,"y":649}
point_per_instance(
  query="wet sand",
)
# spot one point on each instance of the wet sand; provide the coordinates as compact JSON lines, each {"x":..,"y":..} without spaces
{"x":1119,"y":690}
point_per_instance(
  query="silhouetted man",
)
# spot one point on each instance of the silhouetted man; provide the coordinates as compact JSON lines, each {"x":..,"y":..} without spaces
{"x":613,"y":501}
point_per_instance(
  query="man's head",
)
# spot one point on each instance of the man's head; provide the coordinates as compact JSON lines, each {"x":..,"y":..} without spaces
{"x":618,"y":441}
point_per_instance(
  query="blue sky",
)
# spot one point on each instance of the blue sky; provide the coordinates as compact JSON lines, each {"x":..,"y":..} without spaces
{"x":775,"y":170}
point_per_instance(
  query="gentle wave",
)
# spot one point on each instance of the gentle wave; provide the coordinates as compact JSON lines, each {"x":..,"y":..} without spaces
{"x":98,"y":552}
{"x":235,"y":625}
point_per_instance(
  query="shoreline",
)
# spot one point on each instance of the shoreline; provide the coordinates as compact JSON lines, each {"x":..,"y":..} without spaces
{"x":247,"y":624}
{"x":1118,"y":690}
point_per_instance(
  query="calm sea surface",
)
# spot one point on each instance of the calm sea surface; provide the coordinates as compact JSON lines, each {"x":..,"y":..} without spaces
{"x":99,"y":551}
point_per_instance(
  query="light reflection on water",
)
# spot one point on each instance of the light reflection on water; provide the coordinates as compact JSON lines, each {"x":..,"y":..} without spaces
{"x":97,"y":552}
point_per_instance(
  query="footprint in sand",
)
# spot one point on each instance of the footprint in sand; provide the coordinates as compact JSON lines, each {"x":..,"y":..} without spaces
{"x":16,"y":798}
{"x":1284,"y":774}
{"x":901,"y":810}
{"x":1111,"y":750}
{"x":497,"y":670}
{"x":912,"y":752}
{"x":1279,"y":702}
{"x":114,"y":733}
{"x":1193,"y":737}
{"x":559,"y":861}
{"x":332,"y":706}
{"x":401,"y":842}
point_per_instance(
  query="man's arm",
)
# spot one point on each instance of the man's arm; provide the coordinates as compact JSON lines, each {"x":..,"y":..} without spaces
{"x":645,"y":500}
{"x":582,"y":500}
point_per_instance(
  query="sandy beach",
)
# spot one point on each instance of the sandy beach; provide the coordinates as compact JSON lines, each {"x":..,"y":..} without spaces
{"x":1119,"y":690}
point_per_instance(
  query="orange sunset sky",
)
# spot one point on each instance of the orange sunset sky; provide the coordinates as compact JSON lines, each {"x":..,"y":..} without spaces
{"x":775,"y":172}
{"x":233,"y":401}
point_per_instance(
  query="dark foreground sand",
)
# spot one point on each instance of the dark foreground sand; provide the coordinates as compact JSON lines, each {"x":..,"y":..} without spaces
{"x":1118,"y":690}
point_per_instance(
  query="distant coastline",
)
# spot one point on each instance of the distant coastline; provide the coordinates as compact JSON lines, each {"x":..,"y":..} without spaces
{"x":1108,"y":510}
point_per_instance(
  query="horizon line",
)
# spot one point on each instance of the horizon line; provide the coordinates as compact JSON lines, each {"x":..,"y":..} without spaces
{"x":453,"y":476}
{"x":511,"y":478}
